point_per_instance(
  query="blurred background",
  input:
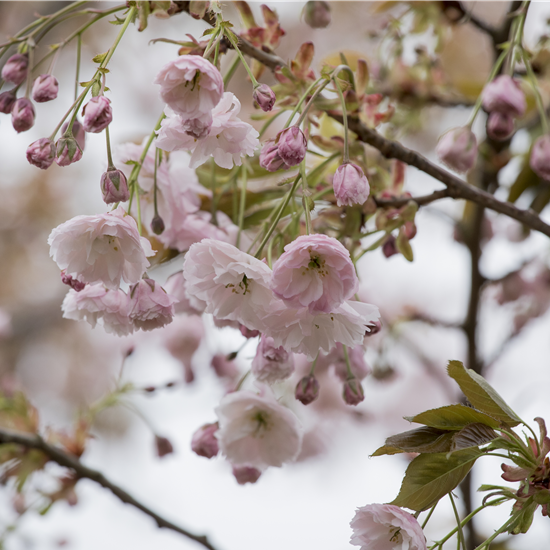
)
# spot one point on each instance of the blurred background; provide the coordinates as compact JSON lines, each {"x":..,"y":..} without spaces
{"x":63,"y":366}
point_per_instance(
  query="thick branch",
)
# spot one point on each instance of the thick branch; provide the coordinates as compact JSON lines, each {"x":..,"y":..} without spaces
{"x":68,"y":461}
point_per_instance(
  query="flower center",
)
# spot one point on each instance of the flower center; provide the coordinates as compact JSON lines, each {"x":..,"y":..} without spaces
{"x":261,"y":418}
{"x":396,"y":536}
{"x":242,"y":287}
{"x":316,"y":264}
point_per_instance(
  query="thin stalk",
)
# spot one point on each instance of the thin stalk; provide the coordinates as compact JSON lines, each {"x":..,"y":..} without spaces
{"x":460,"y":535}
{"x":213,"y":206}
{"x":231,"y":38}
{"x":78,"y":57}
{"x":538,"y":98}
{"x":230,"y":72}
{"x":158,"y":160}
{"x":211,"y":43}
{"x":499,"y":531}
{"x":110,"y":163}
{"x":309,"y":103}
{"x":432,"y":510}
{"x":312,"y":369}
{"x":305,"y":193}
{"x":29,"y":73}
{"x":348,"y":365}
{"x":138,"y":208}
{"x":112,"y":49}
{"x":242,"y":203}
{"x":345,"y":118}
{"x":75,"y":103}
{"x":303,"y":98}
{"x":270,"y":121}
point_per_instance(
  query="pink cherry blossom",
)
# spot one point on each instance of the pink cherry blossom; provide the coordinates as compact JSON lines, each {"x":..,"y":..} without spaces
{"x":257,"y":431}
{"x":457,"y":148}
{"x":190,"y":85}
{"x":151,"y":307}
{"x":350,"y":185}
{"x":504,"y":95}
{"x":96,"y":303}
{"x":300,"y":331}
{"x":271,"y":363}
{"x":103,"y":248}
{"x":228,"y":140}
{"x":386,"y":527}
{"x":314,"y":271}
{"x":234,"y":285}
{"x":204,"y":442}
{"x":176,"y":287}
{"x":246,"y":474}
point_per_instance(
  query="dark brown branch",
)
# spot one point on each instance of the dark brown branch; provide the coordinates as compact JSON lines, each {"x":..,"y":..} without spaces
{"x":64,"y":459}
{"x":468,"y":16}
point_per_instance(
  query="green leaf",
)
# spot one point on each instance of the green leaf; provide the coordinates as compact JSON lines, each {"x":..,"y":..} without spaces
{"x":385,"y":450}
{"x":117,"y":21}
{"x":525,"y":518}
{"x":481,"y":395}
{"x":452,"y":417}
{"x":431,"y":476}
{"x":100,"y":57}
{"x":472,"y":435}
{"x":404,"y":246}
{"x":421,"y":440}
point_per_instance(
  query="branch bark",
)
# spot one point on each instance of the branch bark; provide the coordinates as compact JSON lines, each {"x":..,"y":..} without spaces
{"x":64,"y":459}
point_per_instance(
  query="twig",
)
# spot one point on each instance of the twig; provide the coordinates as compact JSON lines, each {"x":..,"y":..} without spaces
{"x":64,"y":459}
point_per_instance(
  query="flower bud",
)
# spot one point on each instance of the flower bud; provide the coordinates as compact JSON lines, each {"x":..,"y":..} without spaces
{"x":317,"y":14}
{"x":22,"y":115}
{"x":246,"y":474}
{"x":247,"y":333}
{"x":500,"y":126}
{"x":15,"y":69}
{"x":350,"y":185}
{"x":457,"y":148}
{"x":45,"y":88}
{"x":272,"y":363}
{"x":307,"y":389}
{"x":504,"y":95}
{"x":157,"y":225}
{"x":41,"y":153}
{"x":204,"y":442}
{"x":389,"y":248}
{"x":269,"y":157}
{"x":264,"y":96}
{"x":163,"y":446}
{"x":75,"y":284}
{"x":540,"y":157}
{"x":223,"y":367}
{"x":353,"y":392}
{"x":292,"y":146}
{"x":97,"y":114}
{"x":78,"y":132}
{"x":7,"y":99}
{"x":375,"y":328}
{"x":114,"y":186}
{"x":67,"y":150}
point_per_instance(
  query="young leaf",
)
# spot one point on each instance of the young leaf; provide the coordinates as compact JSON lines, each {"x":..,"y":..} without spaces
{"x":472,"y":435}
{"x":100,"y":57}
{"x":386,"y":450}
{"x":421,"y":440}
{"x":481,"y":395}
{"x":453,"y":417}
{"x":431,"y":476}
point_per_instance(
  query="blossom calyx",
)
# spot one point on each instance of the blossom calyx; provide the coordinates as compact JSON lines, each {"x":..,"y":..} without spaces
{"x":457,"y":148}
{"x":15,"y":69}
{"x":78,"y":132}
{"x":7,"y":99}
{"x":67,"y":150}
{"x":540,"y":157}
{"x":114,"y":186}
{"x":352,"y":391}
{"x":264,"y":96}
{"x":97,"y":114}
{"x":504,"y":95}
{"x":41,"y":153}
{"x":350,"y":185}
{"x":307,"y":389}
{"x":204,"y":442}
{"x":22,"y":115}
{"x":292,"y":145}
{"x":45,"y":88}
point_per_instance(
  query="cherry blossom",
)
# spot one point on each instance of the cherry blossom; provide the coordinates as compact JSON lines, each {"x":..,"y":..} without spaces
{"x":151,"y":306}
{"x":271,"y":363}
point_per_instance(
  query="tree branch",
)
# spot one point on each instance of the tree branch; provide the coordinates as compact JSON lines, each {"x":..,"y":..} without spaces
{"x":64,"y":459}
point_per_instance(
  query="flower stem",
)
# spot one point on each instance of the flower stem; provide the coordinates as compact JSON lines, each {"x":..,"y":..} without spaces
{"x":432,"y":510}
{"x":78,"y":56}
{"x":110,"y":164}
{"x":304,"y":97}
{"x":230,"y":72}
{"x":158,"y":160}
{"x":213,"y":206}
{"x":460,"y":534}
{"x":242,"y":203}
{"x":348,"y":365}
{"x":305,"y":196}
{"x":312,"y":370}
{"x":231,"y":37}
{"x":345,"y":118}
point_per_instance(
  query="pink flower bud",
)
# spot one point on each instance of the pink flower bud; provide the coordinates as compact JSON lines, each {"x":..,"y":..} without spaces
{"x":97,"y":114}
{"x":68,"y":280}
{"x":350,"y":185}
{"x":500,"y":126}
{"x":457,"y":148}
{"x":41,"y":153}
{"x":375,"y":328}
{"x":7,"y":99}
{"x":163,"y":445}
{"x":307,"y":389}
{"x":247,"y":333}
{"x":353,"y":392}
{"x":269,"y":157}
{"x":246,"y":474}
{"x":157,"y":225}
{"x":540,"y":157}
{"x":45,"y":88}
{"x":389,"y":248}
{"x":204,"y":442}
{"x":292,"y":146}
{"x":317,"y":14}
{"x":68,"y":150}
{"x":271,"y":363}
{"x":505,"y":96}
{"x":78,"y":132}
{"x":224,"y":368}
{"x":15,"y":69}
{"x":264,"y":96}
{"x":22,"y":115}
{"x":114,"y":186}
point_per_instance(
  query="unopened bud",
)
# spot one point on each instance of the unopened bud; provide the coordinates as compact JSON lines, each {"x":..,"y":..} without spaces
{"x":246,"y":474}
{"x":163,"y":445}
{"x":41,"y":153}
{"x":15,"y":69}
{"x":457,"y":148}
{"x":97,"y":114}
{"x":317,"y":14}
{"x":389,"y":248}
{"x":500,"y":126}
{"x":270,"y":158}
{"x":307,"y":389}
{"x":540,"y":157}
{"x":45,"y":88}
{"x":374,"y":327}
{"x":75,"y":284}
{"x":504,"y":95}
{"x":114,"y":186}
{"x":7,"y":99}
{"x":22,"y":115}
{"x":157,"y":225}
{"x":353,"y":392}
{"x":204,"y":442}
{"x":350,"y":185}
{"x":78,"y":132}
{"x":67,"y":150}
{"x":264,"y":96}
{"x":292,"y":146}
{"x":224,"y":368}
